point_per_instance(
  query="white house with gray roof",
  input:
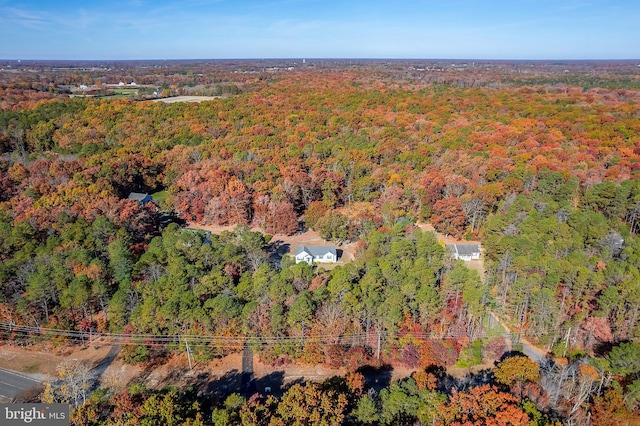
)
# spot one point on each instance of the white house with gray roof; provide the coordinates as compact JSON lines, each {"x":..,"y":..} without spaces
{"x":319,"y":254}
{"x":465,"y":252}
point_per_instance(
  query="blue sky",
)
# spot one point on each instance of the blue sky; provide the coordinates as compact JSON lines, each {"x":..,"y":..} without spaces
{"x":464,"y":29}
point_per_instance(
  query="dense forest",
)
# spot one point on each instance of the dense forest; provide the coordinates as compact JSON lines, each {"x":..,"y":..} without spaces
{"x":544,"y":173}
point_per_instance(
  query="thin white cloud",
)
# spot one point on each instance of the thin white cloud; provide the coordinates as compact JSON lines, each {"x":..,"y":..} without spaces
{"x":25,"y":18}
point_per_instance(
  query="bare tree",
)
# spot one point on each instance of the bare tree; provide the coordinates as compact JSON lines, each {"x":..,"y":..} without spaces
{"x":569,"y":386}
{"x":614,"y":242}
{"x":333,"y":319}
{"x":474,"y":210}
{"x":632,"y":218}
{"x":71,"y":384}
{"x":114,"y":379}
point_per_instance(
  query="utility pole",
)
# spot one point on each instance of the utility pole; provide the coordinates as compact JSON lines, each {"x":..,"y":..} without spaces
{"x":186,"y":342}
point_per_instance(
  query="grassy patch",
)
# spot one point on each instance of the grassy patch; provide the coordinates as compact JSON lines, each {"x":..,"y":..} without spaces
{"x":160,"y":196}
{"x":119,"y":93}
{"x":125,"y":91}
{"x":31,"y":368}
{"x":471,"y":355}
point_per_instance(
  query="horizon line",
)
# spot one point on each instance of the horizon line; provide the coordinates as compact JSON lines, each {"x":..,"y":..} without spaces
{"x":323,"y":59}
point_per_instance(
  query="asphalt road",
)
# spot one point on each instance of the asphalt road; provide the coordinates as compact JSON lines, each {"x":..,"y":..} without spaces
{"x":12,"y":383}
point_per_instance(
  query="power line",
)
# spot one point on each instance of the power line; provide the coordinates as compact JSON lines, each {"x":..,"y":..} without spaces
{"x":205,"y":340}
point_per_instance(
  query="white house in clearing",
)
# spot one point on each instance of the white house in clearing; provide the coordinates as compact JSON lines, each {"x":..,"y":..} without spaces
{"x":320,"y":254}
{"x":465,"y":252}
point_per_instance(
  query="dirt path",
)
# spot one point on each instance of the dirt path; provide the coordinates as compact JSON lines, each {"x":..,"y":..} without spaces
{"x":533,"y":352}
{"x":231,"y":373}
{"x":44,"y":360}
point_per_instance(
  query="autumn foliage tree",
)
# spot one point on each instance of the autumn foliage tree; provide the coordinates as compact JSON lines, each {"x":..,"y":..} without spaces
{"x":515,"y":371}
{"x":482,"y":405}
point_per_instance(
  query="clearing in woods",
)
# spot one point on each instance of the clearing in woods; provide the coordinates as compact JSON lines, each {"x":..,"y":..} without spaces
{"x":288,"y":243}
{"x":175,"y":99}
{"x":346,"y":251}
{"x":477,"y":265}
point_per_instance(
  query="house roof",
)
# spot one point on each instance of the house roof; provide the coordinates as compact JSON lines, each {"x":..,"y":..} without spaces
{"x":464,"y":249}
{"x":316,"y":250}
{"x":207,"y":234}
{"x":137,"y":196}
